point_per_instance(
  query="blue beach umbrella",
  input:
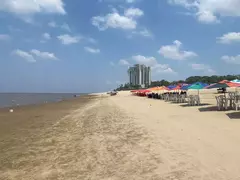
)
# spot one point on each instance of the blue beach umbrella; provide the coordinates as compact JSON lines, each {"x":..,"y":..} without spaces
{"x":185,"y":87}
{"x":171,"y":87}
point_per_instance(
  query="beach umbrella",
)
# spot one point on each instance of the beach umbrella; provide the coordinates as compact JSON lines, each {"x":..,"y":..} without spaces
{"x":170,"y":87}
{"x":232,"y":84}
{"x":185,"y":87}
{"x":143,"y":92}
{"x":163,"y":88}
{"x":209,"y":85}
{"x":133,"y":91}
{"x":177,"y":88}
{"x":236,"y":81}
{"x":218,"y":85}
{"x":197,"y":86}
{"x":224,"y":81}
{"x":157,"y":88}
{"x":153,"y":88}
{"x":223,"y":84}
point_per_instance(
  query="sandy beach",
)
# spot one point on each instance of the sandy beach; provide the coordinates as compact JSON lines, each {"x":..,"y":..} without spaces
{"x":120,"y":137}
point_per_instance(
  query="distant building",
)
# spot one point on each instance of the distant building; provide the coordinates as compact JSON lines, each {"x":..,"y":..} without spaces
{"x":140,"y":74}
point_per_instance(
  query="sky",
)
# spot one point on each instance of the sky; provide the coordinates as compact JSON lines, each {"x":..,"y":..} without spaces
{"x":88,"y":45}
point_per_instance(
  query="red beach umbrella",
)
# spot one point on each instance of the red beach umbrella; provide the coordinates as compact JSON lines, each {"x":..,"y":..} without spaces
{"x":177,"y":88}
{"x":232,"y":84}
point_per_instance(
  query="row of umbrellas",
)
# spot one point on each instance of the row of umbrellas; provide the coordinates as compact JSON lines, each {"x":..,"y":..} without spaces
{"x":196,"y":86}
{"x":200,"y":85}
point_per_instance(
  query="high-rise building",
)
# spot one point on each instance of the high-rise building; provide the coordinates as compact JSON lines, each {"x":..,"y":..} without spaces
{"x":140,"y":74}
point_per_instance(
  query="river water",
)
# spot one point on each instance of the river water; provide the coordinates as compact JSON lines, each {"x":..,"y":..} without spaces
{"x":16,"y":99}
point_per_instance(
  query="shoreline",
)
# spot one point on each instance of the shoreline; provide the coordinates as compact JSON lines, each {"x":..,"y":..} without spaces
{"x":25,"y":116}
{"x":42,"y":103}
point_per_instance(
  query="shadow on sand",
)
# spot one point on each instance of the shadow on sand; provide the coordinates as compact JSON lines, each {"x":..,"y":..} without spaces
{"x":234,"y":115}
{"x":203,"y":104}
{"x":212,"y":108}
{"x":209,"y":108}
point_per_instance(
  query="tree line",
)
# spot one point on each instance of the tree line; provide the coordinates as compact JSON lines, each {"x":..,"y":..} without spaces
{"x":189,"y":80}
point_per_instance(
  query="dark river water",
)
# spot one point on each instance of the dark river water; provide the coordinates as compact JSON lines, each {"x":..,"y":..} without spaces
{"x":16,"y":99}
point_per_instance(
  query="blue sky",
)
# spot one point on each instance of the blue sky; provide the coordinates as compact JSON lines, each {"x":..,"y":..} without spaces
{"x":88,"y":45}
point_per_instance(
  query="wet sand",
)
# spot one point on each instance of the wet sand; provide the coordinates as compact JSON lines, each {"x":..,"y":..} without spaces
{"x":81,"y":139}
{"x":118,"y":138}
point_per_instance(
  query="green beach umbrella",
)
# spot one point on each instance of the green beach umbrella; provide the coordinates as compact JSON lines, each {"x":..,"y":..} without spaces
{"x":197,"y":86}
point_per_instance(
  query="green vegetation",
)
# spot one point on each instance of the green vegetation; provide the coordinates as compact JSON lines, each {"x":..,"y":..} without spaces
{"x":189,"y":80}
{"x":127,"y":86}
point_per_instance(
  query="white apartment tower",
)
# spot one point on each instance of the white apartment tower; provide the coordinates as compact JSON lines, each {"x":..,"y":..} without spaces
{"x":140,"y":74}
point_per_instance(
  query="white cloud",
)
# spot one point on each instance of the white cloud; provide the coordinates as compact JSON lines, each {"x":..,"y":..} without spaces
{"x":131,"y":1}
{"x":33,"y":54}
{"x":144,"y":32}
{"x":29,"y":7}
{"x":229,"y":38}
{"x":44,"y":55}
{"x":207,"y":17}
{"x":115,"y":20}
{"x":174,"y":52}
{"x":133,"y":12}
{"x":209,"y":11}
{"x":232,"y":59}
{"x":52,"y":24}
{"x":203,"y":67}
{"x":92,"y":50}
{"x":4,"y":37}
{"x":46,"y":36}
{"x":162,"y":68}
{"x":25,"y":55}
{"x":66,"y":27}
{"x":148,"y":61}
{"x":124,"y":62}
{"x":118,"y":1}
{"x":67,"y":39}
